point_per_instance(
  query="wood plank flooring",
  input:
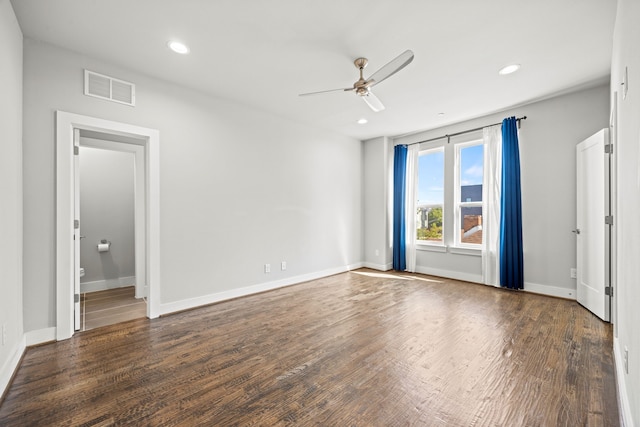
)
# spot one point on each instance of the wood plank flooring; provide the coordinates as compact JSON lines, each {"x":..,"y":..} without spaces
{"x":362,"y":348}
{"x":109,"y":307}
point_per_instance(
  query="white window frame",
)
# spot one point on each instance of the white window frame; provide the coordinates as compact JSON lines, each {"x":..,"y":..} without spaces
{"x":441,"y":243}
{"x":459,"y":205}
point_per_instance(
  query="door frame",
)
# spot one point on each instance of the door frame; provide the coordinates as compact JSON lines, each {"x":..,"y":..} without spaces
{"x":65,"y":124}
{"x":613,"y":211}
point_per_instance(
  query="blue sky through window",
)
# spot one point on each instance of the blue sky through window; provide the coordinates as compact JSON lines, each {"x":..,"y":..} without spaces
{"x":431,"y":178}
{"x":471,"y":165}
{"x":431,"y":173}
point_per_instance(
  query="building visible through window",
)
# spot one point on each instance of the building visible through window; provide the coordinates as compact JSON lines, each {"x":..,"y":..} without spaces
{"x":470,"y":161}
{"x":456,"y":219}
{"x":471,"y":227}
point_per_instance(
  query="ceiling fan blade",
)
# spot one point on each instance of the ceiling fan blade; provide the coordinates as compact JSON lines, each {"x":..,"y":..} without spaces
{"x":391,"y":68}
{"x":327,"y":91}
{"x":373,"y":102}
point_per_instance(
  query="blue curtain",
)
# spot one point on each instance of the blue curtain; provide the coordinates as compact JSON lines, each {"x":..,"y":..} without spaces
{"x":511,"y":253}
{"x":399,"y":194}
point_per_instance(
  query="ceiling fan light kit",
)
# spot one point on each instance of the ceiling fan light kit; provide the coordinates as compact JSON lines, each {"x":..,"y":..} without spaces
{"x":362,"y":87}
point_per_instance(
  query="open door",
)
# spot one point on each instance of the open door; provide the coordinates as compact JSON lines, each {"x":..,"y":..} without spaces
{"x":593,"y":229}
{"x":76,"y":229}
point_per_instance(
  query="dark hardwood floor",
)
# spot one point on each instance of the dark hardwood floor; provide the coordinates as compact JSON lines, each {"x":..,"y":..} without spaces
{"x":102,"y":308}
{"x":362,"y":348}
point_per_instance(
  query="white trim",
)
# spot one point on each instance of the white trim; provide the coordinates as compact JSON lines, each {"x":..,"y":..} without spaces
{"x":624,"y":408}
{"x":430,"y":247}
{"x":448,"y":274}
{"x":11,"y":365}
{"x":190,"y":303}
{"x":459,"y":250}
{"x":65,"y":123}
{"x":40,"y":336}
{"x":380,"y":267}
{"x":552,"y":291}
{"x":102,"y":285}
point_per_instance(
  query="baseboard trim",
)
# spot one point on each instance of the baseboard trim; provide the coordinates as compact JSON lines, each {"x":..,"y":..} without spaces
{"x":11,"y":366}
{"x":103,"y":285}
{"x":380,"y":267}
{"x":448,"y":274}
{"x":40,"y":336}
{"x":190,"y":303}
{"x":624,"y":408}
{"x":552,"y":291}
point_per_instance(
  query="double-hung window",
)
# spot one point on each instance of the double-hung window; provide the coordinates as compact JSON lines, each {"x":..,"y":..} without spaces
{"x":450,"y":205}
{"x":468,"y":203}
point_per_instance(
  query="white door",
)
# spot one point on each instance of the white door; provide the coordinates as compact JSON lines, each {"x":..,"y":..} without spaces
{"x":593,"y":231}
{"x":76,"y":229}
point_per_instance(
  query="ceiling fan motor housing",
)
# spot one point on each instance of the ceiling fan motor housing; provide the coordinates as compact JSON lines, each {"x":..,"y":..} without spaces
{"x":361,"y":85}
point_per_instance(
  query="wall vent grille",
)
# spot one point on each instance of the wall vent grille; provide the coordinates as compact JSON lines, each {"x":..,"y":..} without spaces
{"x":109,"y":88}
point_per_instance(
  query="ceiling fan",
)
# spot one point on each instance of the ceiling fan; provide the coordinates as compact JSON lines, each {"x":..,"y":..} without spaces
{"x":363,"y":86}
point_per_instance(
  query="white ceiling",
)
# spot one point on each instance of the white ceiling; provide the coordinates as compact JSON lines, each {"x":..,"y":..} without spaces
{"x":264,"y":53}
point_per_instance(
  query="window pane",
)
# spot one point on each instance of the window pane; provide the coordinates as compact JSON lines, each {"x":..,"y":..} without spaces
{"x":430,"y":196}
{"x":429,"y":225}
{"x":472,"y":167}
{"x":471,"y":176}
{"x":471,"y":232}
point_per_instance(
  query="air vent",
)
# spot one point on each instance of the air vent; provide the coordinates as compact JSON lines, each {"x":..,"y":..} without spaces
{"x":105,"y":87}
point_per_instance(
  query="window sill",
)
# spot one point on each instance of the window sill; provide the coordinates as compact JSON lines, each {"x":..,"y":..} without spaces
{"x":431,"y":247}
{"x":465,"y":251}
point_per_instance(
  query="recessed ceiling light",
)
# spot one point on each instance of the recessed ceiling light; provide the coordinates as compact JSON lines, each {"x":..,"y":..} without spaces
{"x":178,"y":47}
{"x":509,"y":69}
{"x":362,"y":121}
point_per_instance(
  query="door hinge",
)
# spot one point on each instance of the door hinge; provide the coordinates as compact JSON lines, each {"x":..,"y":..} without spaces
{"x":76,"y":297}
{"x":608,"y":149}
{"x":608,"y":219}
{"x":76,"y":223}
{"x":608,"y":290}
{"x":76,"y":150}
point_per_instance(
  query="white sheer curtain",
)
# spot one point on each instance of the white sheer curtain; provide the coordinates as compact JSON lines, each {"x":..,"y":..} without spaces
{"x":492,"y":137}
{"x":410,"y":206}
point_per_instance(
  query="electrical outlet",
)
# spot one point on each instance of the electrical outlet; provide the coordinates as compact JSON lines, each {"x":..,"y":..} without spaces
{"x":283,"y":265}
{"x":267,"y":268}
{"x":573,"y":273}
{"x":626,"y":359}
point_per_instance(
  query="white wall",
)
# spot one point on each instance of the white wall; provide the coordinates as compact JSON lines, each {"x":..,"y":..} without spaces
{"x":377,"y":187}
{"x":547,"y":148}
{"x":106,"y":212}
{"x":627,"y":154}
{"x":239,"y":188}
{"x":10,"y":192}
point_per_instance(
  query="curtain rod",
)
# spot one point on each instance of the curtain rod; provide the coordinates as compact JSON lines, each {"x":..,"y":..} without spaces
{"x":448,"y":136}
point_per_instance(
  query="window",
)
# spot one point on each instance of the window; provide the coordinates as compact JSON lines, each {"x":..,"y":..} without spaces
{"x":450,"y":206}
{"x":468,"y":198}
{"x":430,"y":196}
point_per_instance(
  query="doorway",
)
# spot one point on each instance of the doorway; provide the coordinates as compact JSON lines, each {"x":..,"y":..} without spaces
{"x":68,"y":128}
{"x":111,"y":209}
